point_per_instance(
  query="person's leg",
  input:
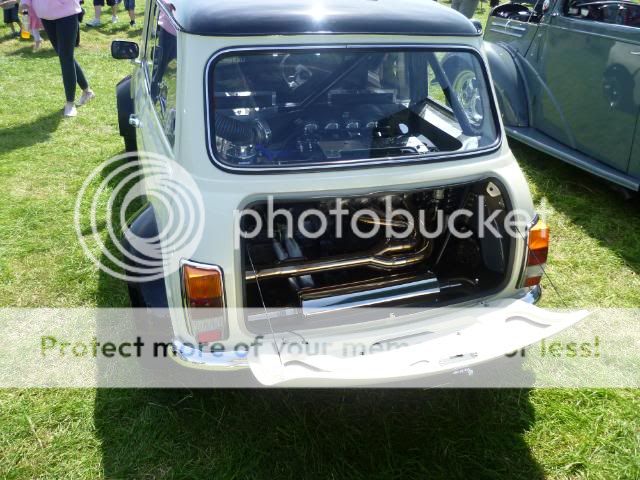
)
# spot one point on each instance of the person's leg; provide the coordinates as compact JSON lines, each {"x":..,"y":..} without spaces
{"x":114,"y":10}
{"x":87,"y":93}
{"x":66,"y":40}
{"x":16,"y":11}
{"x":66,"y":30}
{"x":11,"y":18}
{"x":37,"y":39}
{"x":51,"y":28}
{"x":130,"y":6}
{"x":97,"y":6}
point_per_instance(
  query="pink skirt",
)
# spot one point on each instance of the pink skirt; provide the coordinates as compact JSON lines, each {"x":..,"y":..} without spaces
{"x":35,"y":23}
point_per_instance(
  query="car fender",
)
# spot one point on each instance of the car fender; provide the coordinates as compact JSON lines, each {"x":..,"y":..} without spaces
{"x":509,"y":85}
{"x":151,"y":294}
{"x":126,"y":107}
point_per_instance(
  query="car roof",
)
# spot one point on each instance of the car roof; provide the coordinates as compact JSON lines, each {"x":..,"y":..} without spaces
{"x":297,"y":17}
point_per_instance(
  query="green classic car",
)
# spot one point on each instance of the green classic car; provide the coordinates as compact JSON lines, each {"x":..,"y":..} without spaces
{"x":567,"y":75}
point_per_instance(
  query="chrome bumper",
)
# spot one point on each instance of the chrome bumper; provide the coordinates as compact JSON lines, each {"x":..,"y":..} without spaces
{"x":533,"y":295}
{"x":188,"y":356}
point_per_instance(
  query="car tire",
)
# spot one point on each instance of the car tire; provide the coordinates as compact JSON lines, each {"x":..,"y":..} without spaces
{"x":462,"y":77}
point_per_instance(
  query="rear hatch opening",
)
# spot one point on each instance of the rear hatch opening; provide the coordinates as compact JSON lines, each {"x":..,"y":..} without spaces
{"x":320,"y":262}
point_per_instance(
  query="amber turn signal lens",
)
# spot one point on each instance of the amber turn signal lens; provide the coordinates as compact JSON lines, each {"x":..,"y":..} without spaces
{"x":538,"y":244}
{"x":203,"y":286}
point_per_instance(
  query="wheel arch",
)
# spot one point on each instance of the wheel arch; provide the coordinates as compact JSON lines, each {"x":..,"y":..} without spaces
{"x":509,"y":85}
{"x":151,"y":294}
{"x":126,"y":107}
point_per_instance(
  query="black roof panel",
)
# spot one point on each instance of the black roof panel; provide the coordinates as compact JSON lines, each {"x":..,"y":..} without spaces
{"x":295,"y":17}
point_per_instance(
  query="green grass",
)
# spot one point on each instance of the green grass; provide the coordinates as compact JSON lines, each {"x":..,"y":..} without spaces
{"x":87,"y":434}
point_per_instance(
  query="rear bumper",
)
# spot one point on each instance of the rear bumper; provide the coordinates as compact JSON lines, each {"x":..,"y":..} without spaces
{"x":456,"y":340}
{"x":229,"y":360}
{"x":188,"y":356}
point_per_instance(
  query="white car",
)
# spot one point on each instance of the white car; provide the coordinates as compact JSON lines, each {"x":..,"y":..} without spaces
{"x":329,"y":140}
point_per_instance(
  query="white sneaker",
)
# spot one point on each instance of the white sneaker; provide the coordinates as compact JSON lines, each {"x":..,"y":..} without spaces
{"x":114,"y":19}
{"x":86,"y":97}
{"x":94,"y":23}
{"x":70,"y":110}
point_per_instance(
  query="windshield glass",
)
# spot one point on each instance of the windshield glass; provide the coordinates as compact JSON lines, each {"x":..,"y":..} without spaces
{"x":310,"y":108}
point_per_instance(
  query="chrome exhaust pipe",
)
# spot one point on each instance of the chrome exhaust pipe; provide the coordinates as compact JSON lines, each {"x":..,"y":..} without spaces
{"x":366,"y":295}
{"x":380,"y":259}
{"x":376,"y":292}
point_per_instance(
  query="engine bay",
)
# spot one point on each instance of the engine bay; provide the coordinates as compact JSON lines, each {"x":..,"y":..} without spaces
{"x":322,"y":108}
{"x":368,"y":129}
{"x":370,"y":256}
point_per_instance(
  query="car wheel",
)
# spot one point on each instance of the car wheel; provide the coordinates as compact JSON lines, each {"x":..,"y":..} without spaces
{"x":465,"y":86}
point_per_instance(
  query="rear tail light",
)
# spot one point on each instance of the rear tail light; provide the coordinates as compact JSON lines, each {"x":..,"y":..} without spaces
{"x":537,"y":251}
{"x":203,"y":298}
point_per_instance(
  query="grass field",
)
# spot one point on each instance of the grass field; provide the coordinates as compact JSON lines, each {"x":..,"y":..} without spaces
{"x":88,"y":434}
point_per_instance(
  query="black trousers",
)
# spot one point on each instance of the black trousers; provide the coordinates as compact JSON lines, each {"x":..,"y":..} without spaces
{"x":63,"y":33}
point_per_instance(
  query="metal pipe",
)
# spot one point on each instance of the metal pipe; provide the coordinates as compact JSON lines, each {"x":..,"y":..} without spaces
{"x":380,"y":219}
{"x":376,"y":259}
{"x":361,"y":296}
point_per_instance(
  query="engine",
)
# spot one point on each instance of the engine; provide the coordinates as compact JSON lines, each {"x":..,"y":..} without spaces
{"x":317,"y":107}
{"x":314,"y":259}
{"x":354,"y":125}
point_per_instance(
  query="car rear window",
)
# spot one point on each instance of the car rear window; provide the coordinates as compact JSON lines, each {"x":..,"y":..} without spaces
{"x":292,"y":109}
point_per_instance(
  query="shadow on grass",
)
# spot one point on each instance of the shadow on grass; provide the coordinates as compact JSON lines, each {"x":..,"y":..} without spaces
{"x":112,"y":292}
{"x":8,"y":35}
{"x":255,"y":433}
{"x":315,"y":434}
{"x":259,"y":433}
{"x":28,"y":134}
{"x":46,"y":51}
{"x":593,"y":204}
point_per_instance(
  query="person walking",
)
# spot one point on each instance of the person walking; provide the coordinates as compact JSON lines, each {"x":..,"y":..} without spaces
{"x":97,"y":5}
{"x":60,"y":21}
{"x":11,"y":15}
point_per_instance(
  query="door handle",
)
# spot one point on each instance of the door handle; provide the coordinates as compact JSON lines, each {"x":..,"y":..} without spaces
{"x":634,"y":53}
{"x":134,"y":121}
